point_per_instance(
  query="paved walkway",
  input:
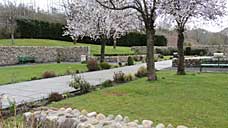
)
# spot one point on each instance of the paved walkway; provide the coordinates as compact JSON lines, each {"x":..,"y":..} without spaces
{"x":39,"y":89}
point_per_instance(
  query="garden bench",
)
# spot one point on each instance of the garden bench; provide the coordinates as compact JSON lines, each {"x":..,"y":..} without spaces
{"x":213,"y":64}
{"x":26,"y":59}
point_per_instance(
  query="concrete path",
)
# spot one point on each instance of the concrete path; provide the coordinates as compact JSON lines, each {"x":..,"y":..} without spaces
{"x":39,"y":89}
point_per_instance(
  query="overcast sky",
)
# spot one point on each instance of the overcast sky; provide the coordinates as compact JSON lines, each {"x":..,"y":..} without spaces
{"x":44,"y":4}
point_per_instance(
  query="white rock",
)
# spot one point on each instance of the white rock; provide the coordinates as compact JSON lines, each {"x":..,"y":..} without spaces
{"x":100,"y":116}
{"x":110,"y":117}
{"x":93,"y":121}
{"x":84,"y":112}
{"x":83,"y":118}
{"x":170,"y":126}
{"x":181,"y":126}
{"x":68,"y":110}
{"x":136,"y":121}
{"x":118,"y":125}
{"x":52,"y":118}
{"x":160,"y":125}
{"x":27,"y":116}
{"x":118,"y":118}
{"x":147,"y":123}
{"x":126,"y":119}
{"x":62,"y":109}
{"x":92,"y":114}
{"x":132,"y":124}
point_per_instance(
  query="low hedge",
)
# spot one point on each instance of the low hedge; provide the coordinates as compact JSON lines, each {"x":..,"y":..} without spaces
{"x":114,"y":54}
{"x":188,"y":51}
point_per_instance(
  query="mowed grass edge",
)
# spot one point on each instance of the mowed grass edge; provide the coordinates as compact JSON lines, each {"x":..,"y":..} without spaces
{"x":15,"y":74}
{"x":95,"y":49}
{"x":195,"y":100}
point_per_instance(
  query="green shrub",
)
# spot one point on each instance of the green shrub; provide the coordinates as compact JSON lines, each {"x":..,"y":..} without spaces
{"x":119,"y":77}
{"x":199,"y":51}
{"x":28,"y":28}
{"x":116,"y":66}
{"x":142,"y":72}
{"x":93,"y":65}
{"x":58,"y":60}
{"x":161,"y":56}
{"x":79,"y":83}
{"x":67,"y":72}
{"x":130,"y":61}
{"x":49,"y":74}
{"x":156,"y":59}
{"x":188,"y":50}
{"x":139,"y":39}
{"x":129,"y":77}
{"x":120,"y":64}
{"x":54,"y":97}
{"x":107,"y":83}
{"x":34,"y":78}
{"x":105,"y":65}
{"x":83,"y":62}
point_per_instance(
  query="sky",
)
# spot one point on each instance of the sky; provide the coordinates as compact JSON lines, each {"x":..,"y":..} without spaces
{"x":213,"y":27}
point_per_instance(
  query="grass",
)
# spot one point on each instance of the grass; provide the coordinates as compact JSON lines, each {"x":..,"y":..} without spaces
{"x":95,"y":49}
{"x":16,"y":74}
{"x":195,"y":100}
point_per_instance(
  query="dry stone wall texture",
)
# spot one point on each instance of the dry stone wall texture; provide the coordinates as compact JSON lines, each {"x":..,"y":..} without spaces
{"x":9,"y":55}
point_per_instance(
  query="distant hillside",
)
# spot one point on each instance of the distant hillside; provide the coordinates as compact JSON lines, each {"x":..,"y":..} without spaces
{"x":197,"y":37}
{"x":224,"y":31}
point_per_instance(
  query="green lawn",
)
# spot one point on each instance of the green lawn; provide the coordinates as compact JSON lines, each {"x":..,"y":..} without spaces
{"x":24,"y":73}
{"x":195,"y":100}
{"x":95,"y":49}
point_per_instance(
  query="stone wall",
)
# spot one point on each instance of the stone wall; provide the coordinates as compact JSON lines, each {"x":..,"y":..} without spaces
{"x":116,"y":59}
{"x":73,"y":118}
{"x":9,"y":55}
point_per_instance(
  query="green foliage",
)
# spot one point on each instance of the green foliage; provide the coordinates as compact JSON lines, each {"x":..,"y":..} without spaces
{"x":58,"y":59}
{"x":131,"y":39}
{"x":54,"y":97}
{"x":49,"y":74}
{"x":188,"y":51}
{"x":27,"y":28}
{"x":142,"y":72}
{"x":105,"y":65}
{"x":93,"y":65}
{"x":34,"y":78}
{"x":130,"y":61}
{"x":199,"y":51}
{"x":107,"y":83}
{"x":80,"y":84}
{"x":166,"y":51}
{"x":139,"y":39}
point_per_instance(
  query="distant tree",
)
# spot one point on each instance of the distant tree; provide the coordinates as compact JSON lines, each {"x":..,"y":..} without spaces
{"x":184,"y":11}
{"x":148,"y":11}
{"x":88,"y":18}
{"x":10,"y":15}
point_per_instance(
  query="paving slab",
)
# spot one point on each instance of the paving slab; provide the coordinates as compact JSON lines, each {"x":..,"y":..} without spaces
{"x":36,"y":90}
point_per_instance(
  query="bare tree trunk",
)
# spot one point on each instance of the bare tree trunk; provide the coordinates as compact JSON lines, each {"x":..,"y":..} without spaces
{"x":103,"y":44}
{"x":114,"y":44}
{"x":181,"y":58}
{"x":12,"y":39}
{"x":150,"y":55}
